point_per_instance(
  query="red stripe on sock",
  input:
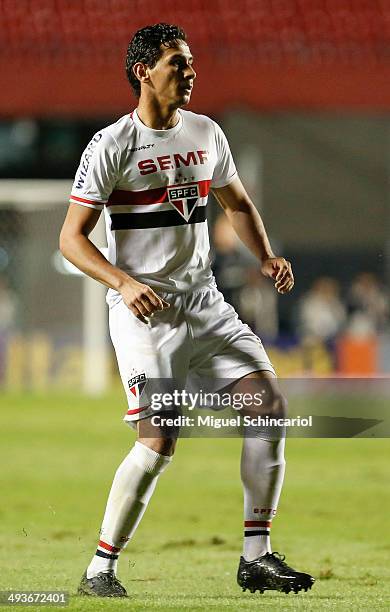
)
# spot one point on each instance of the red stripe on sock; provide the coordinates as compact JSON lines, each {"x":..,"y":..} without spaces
{"x":108,"y":546}
{"x":257,"y":523}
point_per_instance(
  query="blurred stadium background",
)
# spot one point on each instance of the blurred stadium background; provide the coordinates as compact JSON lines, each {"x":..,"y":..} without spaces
{"x":302,"y":90}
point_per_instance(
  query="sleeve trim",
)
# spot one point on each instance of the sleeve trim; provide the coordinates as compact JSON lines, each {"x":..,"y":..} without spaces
{"x":77,"y":200}
{"x":223,"y":183}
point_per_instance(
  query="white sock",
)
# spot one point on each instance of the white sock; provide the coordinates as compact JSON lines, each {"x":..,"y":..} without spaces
{"x":132,"y":488}
{"x":262,"y":473}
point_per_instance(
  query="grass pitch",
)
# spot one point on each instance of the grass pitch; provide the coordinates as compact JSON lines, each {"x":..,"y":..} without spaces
{"x":58,"y":457}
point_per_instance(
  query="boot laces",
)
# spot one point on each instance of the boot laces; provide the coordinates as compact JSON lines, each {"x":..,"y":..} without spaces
{"x":279,"y":561}
{"x":109,"y":577}
{"x":111,"y":580}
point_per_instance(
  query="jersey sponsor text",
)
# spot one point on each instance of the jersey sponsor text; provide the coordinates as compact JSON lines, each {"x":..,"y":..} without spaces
{"x":171,"y":162}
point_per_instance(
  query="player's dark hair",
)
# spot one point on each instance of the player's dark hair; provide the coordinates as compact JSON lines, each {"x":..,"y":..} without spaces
{"x":145,"y":47}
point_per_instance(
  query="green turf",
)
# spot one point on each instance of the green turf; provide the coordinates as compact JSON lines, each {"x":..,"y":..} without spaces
{"x":58,"y":456}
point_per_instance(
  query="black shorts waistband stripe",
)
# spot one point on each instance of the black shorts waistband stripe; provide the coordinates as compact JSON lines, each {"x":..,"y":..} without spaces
{"x":165,"y":218}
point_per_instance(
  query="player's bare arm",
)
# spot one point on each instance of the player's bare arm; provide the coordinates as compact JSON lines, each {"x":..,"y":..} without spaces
{"x":247,"y":223}
{"x":78,"y":249}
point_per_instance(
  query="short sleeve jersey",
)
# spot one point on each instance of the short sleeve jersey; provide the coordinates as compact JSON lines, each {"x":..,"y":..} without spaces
{"x":153,"y":186}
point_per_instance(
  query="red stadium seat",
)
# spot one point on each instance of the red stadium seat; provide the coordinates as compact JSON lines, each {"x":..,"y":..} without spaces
{"x":298,"y":30}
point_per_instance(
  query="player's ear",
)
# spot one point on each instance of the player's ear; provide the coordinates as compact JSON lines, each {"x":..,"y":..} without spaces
{"x":141,"y":71}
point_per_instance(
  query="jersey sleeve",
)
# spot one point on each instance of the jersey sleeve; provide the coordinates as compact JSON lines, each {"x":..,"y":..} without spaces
{"x":225,"y":169}
{"x":97,"y":173}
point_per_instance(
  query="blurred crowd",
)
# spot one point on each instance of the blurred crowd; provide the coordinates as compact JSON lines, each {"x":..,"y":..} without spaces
{"x":322,"y":313}
{"x":362,"y":311}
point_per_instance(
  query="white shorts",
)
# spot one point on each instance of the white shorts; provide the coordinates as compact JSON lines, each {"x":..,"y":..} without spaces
{"x":200,"y":334}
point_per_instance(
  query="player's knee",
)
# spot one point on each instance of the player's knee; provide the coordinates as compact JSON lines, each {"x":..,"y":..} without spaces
{"x":279,"y":406}
{"x":273,"y":405}
{"x":163,"y":446}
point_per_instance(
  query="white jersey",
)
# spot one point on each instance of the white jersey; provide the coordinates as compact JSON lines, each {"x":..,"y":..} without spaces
{"x":153,"y":186}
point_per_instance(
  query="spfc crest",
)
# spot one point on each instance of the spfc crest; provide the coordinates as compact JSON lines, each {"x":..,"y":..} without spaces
{"x":184,"y":199}
{"x":137,"y":385}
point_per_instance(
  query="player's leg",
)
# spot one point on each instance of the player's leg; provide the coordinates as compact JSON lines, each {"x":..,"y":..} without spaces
{"x":262,"y":463}
{"x":141,"y":367}
{"x":228,"y":349}
{"x":132,"y":488}
{"x":262,"y":474}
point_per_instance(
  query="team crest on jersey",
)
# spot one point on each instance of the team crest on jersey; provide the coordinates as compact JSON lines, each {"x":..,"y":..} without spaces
{"x":137,"y":385}
{"x":184,"y":199}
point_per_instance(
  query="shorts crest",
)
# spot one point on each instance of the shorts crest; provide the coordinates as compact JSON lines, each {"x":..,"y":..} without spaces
{"x":137,"y":385}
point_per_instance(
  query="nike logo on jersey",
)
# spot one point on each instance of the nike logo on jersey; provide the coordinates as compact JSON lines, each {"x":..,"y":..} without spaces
{"x":184,"y":199}
{"x":171,"y":162}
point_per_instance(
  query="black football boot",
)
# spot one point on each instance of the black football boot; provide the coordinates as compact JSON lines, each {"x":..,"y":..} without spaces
{"x":105,"y":584}
{"x":271,"y":573}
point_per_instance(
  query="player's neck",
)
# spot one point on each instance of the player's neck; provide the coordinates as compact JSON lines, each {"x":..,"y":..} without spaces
{"x":155,"y":116}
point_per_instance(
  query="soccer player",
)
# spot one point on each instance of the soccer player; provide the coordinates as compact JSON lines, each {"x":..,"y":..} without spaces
{"x":151,"y":173}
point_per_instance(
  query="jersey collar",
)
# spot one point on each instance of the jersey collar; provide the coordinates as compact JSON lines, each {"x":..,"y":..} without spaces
{"x":157,"y":133}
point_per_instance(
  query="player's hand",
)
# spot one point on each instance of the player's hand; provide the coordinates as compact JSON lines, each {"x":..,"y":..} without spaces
{"x":280,"y":270}
{"x":142,"y":300}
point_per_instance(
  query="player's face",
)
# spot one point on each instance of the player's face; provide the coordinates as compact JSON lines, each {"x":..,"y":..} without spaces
{"x":173,"y":76}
